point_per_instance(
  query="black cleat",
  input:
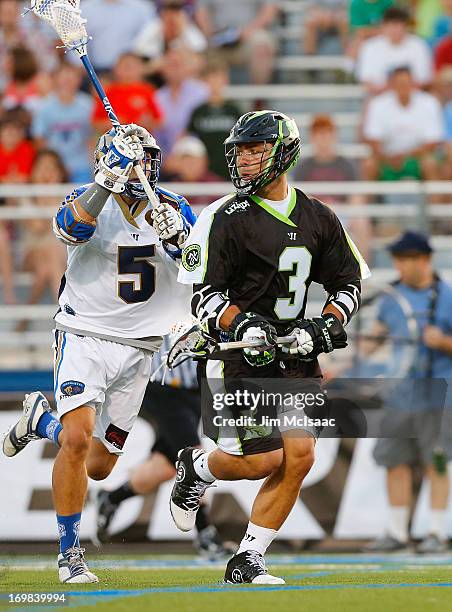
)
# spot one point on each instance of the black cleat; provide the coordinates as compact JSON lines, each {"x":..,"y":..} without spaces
{"x":209,"y":545}
{"x":248,"y":567}
{"x":188,"y":489}
{"x":105,"y":511}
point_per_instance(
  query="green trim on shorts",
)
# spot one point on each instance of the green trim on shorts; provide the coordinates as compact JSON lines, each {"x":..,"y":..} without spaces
{"x":411,"y":168}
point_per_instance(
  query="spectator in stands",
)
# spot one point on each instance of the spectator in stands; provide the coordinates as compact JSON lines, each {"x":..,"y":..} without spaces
{"x":325,"y":165}
{"x":30,"y":32}
{"x":364,"y":18}
{"x":172,"y":27}
{"x":416,"y":438}
{"x":212,"y":121}
{"x":323,"y":17}
{"x":189,"y":163}
{"x":393,"y":47}
{"x":240,"y":33}
{"x":443,"y":23}
{"x":16,"y":152}
{"x":446,"y":91}
{"x":114,"y":26}
{"x":180,"y":95}
{"x":44,"y":256}
{"x":425,"y":14}
{"x":22,"y":88}
{"x":6,"y":266}
{"x":62,"y":123}
{"x":133,"y":99}
{"x":404,"y":127}
{"x":443,"y":54}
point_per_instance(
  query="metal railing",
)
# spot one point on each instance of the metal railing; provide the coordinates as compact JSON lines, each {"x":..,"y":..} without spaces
{"x":408,"y":205}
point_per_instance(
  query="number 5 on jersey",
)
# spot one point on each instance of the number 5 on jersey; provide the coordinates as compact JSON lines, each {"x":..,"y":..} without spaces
{"x":134,"y":260}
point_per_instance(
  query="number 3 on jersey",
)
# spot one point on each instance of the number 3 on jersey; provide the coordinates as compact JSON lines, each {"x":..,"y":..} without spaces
{"x":288,"y":308}
{"x":133,"y":260}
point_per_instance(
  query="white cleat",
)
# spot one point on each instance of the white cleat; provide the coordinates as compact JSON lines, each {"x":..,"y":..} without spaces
{"x":72,"y":568}
{"x":24,"y":431}
{"x":188,"y":489}
{"x":268,"y":579}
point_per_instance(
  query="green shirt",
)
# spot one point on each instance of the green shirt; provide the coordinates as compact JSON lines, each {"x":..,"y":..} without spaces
{"x":212,"y":125}
{"x":364,"y":13}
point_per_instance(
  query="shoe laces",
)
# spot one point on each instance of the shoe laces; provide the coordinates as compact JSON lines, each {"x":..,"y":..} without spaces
{"x":76,"y":560}
{"x":26,"y":438}
{"x":194,"y":492}
{"x":256,"y":560}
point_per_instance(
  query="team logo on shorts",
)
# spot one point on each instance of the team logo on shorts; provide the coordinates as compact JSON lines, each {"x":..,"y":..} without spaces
{"x":72,"y":387}
{"x":191,"y":257}
{"x":116,"y":436}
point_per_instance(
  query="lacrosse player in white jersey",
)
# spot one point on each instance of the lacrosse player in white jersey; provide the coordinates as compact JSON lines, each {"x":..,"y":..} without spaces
{"x":118,"y":297}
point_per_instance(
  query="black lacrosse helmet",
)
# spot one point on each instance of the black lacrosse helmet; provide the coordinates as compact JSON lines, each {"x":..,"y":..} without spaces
{"x":263,"y":126}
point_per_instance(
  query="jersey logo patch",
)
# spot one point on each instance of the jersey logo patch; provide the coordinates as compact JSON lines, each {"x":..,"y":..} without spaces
{"x":191,"y":257}
{"x":72,"y":387}
{"x":237,"y":206}
{"x":116,"y":436}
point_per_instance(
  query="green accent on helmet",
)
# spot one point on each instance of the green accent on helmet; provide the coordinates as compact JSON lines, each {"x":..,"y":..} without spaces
{"x":263,"y":126}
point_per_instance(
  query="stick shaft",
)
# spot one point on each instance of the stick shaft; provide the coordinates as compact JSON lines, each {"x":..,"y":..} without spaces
{"x":100,"y":90}
{"x":240,"y":344}
{"x":115,"y":123}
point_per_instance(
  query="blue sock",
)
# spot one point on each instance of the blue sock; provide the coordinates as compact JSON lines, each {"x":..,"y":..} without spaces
{"x":49,"y":427}
{"x":69,"y":527}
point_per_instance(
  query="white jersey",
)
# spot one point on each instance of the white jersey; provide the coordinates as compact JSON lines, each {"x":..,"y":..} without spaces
{"x":122,"y":282}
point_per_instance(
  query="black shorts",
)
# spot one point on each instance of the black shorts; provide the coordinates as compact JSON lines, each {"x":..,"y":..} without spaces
{"x":174,"y":413}
{"x":255,"y":431}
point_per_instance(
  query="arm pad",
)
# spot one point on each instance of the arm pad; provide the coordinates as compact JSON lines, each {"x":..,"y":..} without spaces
{"x":68,"y":226}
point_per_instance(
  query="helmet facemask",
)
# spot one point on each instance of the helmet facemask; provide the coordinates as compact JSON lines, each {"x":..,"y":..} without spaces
{"x":278,"y":133}
{"x":265,"y":167}
{"x":151,"y":164}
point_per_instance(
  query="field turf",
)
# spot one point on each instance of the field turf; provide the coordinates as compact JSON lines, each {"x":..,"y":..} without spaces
{"x":319,"y":583}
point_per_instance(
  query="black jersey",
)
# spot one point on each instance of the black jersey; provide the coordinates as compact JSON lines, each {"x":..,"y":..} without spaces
{"x":265,"y":261}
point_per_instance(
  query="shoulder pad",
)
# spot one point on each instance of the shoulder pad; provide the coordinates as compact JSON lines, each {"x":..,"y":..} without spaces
{"x":177,"y":201}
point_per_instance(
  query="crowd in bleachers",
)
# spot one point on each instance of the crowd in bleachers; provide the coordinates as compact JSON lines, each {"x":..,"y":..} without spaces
{"x":165,"y":64}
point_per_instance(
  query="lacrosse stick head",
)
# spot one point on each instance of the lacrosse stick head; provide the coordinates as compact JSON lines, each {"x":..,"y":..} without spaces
{"x":189,"y":340}
{"x":64,"y":16}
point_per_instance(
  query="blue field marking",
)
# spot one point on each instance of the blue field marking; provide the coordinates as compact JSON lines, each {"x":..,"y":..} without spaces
{"x":319,"y":561}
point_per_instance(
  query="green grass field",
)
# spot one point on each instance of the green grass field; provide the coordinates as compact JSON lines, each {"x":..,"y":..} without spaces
{"x":317,"y":582}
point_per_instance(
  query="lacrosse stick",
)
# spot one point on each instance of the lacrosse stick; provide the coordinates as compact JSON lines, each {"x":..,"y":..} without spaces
{"x":65,"y":17}
{"x":192,"y":341}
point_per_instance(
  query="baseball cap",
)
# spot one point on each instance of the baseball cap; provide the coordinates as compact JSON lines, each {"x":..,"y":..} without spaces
{"x":189,"y":145}
{"x":410,"y":240}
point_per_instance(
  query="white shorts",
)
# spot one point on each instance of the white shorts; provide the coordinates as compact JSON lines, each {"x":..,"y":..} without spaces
{"x":109,"y":377}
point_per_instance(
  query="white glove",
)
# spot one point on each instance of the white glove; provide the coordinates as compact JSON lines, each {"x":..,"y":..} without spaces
{"x":170,"y":225}
{"x":115,"y":167}
{"x":302,"y":345}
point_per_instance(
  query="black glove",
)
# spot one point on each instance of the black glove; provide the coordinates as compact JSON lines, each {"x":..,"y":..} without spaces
{"x":248,"y":326}
{"x":314,"y":336}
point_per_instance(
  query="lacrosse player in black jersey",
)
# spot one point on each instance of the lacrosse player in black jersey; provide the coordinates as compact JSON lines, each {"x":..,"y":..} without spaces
{"x":251,"y":258}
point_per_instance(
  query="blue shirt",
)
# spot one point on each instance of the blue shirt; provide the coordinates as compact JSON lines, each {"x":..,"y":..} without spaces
{"x":67,"y":129}
{"x":390,"y":313}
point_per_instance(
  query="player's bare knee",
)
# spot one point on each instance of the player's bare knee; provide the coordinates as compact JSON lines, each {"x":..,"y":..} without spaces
{"x":99,"y":472}
{"x":76,"y":443}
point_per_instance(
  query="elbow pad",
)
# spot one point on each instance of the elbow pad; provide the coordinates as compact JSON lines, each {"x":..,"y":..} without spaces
{"x":70,"y":228}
